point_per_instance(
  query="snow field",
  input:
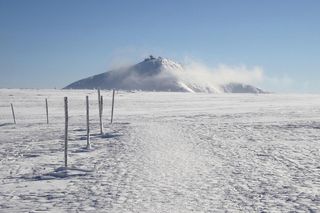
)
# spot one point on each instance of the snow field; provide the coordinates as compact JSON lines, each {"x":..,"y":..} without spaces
{"x":166,"y":152}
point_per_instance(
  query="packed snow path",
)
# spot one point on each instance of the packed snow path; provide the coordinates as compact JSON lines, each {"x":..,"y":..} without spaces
{"x":166,"y":152}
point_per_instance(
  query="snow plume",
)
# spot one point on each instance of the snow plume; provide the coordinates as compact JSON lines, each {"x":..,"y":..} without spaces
{"x":161,"y":74}
{"x":223,"y":74}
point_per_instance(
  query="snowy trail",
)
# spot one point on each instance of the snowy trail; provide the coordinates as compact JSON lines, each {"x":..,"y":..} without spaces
{"x":174,"y":153}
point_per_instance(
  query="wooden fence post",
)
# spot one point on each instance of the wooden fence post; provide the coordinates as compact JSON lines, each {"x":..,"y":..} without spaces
{"x":47,"y":112}
{"x":88,"y":124}
{"x":112,"y":105}
{"x":100,"y":112}
{"x":13,"y":115}
{"x":99,"y":99}
{"x":66,"y":132}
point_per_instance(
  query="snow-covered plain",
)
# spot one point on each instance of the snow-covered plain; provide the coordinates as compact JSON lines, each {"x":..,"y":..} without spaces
{"x":166,"y":152}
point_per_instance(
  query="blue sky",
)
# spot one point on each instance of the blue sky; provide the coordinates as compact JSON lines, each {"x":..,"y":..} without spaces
{"x":47,"y":44}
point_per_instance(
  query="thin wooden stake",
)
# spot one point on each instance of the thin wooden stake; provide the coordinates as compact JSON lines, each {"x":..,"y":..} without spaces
{"x":88,"y":124}
{"x":13,"y":115}
{"x":47,"y":111}
{"x":101,"y":114}
{"x":66,"y":132}
{"x":112,"y":105}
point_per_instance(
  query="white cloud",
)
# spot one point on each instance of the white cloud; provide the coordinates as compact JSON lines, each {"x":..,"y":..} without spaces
{"x":223,"y":74}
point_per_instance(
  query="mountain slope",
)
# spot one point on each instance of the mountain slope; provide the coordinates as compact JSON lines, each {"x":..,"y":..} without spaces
{"x":241,"y":88}
{"x":156,"y":74}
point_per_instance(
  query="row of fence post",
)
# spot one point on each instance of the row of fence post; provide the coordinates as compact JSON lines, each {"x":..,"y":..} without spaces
{"x":100,"y":107}
{"x":100,"y":102}
{"x":14,"y":116}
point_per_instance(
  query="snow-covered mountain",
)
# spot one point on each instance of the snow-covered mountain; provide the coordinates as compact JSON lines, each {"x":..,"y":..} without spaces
{"x":157,"y":74}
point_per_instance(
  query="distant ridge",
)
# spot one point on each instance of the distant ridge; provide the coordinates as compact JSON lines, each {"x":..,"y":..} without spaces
{"x":156,"y":74}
